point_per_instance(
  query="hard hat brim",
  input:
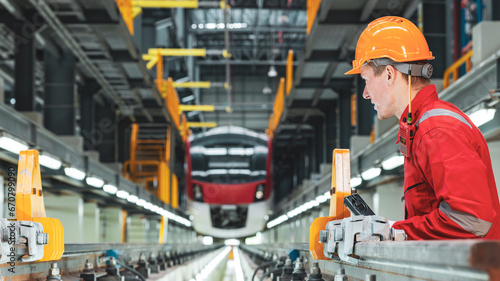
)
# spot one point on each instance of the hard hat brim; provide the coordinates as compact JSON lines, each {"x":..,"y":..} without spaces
{"x":353,"y":71}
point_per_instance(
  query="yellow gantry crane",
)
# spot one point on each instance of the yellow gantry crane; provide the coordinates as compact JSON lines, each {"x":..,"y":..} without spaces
{"x":130,"y":9}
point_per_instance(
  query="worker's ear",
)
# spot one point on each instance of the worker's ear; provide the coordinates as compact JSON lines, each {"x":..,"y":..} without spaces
{"x":391,"y":74}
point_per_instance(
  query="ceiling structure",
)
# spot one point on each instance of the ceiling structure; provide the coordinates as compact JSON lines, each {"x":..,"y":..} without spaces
{"x":260,"y":34}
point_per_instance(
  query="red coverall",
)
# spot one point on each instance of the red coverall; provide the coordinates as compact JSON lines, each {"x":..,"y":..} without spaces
{"x":449,"y":188}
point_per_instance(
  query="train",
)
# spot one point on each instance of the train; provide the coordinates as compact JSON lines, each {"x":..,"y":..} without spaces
{"x":229,"y":181}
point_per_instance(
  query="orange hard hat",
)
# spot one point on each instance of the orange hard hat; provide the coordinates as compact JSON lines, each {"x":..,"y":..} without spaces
{"x":395,"y":38}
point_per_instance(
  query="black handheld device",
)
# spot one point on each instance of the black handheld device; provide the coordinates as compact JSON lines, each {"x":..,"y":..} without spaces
{"x":357,"y":205}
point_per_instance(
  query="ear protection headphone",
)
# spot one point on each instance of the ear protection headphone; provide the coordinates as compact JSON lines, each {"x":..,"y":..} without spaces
{"x":420,"y":70}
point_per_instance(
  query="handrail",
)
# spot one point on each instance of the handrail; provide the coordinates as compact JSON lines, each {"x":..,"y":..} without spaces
{"x":289,"y":72}
{"x":312,"y":11}
{"x":278,"y":107}
{"x":454,"y":68}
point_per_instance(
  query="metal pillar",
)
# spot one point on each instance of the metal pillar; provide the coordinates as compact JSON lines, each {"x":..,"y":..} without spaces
{"x":319,"y":141}
{"x":69,"y":210}
{"x":300,"y":165}
{"x":435,"y":32}
{"x":311,"y":153}
{"x":171,"y":164}
{"x":112,"y":224}
{"x":124,"y":139}
{"x":495,"y":10}
{"x":87,"y":113}
{"x":59,"y":110}
{"x":105,"y":128}
{"x":344,"y":121}
{"x":364,"y":110}
{"x":330,"y":131}
{"x":91,"y":214}
{"x":148,"y":33}
{"x":24,"y":58}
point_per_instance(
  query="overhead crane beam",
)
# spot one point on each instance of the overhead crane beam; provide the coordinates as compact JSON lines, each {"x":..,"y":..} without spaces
{"x":201,"y":124}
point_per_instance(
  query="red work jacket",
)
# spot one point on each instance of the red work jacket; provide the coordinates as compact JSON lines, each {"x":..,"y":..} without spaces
{"x":449,"y":187}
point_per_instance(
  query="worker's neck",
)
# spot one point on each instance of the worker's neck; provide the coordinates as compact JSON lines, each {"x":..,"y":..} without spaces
{"x":403,"y":97}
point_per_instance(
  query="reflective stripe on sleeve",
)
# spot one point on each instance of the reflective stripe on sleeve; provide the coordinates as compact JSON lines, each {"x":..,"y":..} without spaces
{"x":442,"y":112}
{"x":467,"y":221}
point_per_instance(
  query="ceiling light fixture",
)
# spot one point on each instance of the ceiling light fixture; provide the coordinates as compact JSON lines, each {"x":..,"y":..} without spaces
{"x":272,"y":71}
{"x":371,"y":173}
{"x":12,"y":145}
{"x":94,"y":181}
{"x":50,"y":162}
{"x":74,"y":173}
{"x":482,"y":116}
{"x":393,"y":162}
{"x":122,"y":194}
{"x":109,"y":188}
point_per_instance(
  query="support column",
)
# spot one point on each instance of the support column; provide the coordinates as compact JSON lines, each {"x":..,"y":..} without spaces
{"x":434,"y":11}
{"x":59,"y":111}
{"x":330,"y":131}
{"x":495,"y":10}
{"x":124,"y":126}
{"x":364,"y":110}
{"x":137,"y":229}
{"x":91,"y":215}
{"x":69,"y":210}
{"x":148,"y":33}
{"x":112,"y":224}
{"x":24,"y":58}
{"x":344,"y":121}
{"x":105,"y":127}
{"x":87,"y":114}
{"x":300,"y":166}
{"x":153,"y":233}
{"x":171,"y":166}
{"x":311,"y":155}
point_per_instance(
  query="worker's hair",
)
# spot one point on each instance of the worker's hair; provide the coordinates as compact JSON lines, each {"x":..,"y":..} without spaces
{"x":415,"y":80}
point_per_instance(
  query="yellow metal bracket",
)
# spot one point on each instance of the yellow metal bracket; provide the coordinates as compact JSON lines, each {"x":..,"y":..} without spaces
{"x":192,"y":4}
{"x":184,"y":107}
{"x":201,"y":84}
{"x":30,"y":204}
{"x":201,"y":124}
{"x":340,"y":188}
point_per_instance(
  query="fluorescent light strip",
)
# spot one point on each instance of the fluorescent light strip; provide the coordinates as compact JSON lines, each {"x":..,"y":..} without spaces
{"x":393,"y":162}
{"x":94,"y":181}
{"x":12,"y":145}
{"x":140,"y":202}
{"x":277,"y":221}
{"x":132,"y":198}
{"x":356,"y":181}
{"x":74,"y":173}
{"x":482,"y":116}
{"x":111,"y":189}
{"x":122,"y":194}
{"x":371,"y":173}
{"x":49,"y":162}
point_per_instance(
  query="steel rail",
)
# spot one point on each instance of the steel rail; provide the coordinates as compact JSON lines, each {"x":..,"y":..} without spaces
{"x":75,"y":256}
{"x":409,"y":260}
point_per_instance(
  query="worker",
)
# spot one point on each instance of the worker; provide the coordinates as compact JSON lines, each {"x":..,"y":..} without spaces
{"x":449,"y":187}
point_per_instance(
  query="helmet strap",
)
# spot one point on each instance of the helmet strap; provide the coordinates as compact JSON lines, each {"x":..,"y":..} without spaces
{"x":409,"y":100}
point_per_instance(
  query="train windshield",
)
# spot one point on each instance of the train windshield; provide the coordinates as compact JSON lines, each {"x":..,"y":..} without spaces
{"x":228,"y":161}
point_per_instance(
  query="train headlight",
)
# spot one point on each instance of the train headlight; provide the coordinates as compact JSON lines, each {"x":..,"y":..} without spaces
{"x":198,"y":193}
{"x":259,"y":192}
